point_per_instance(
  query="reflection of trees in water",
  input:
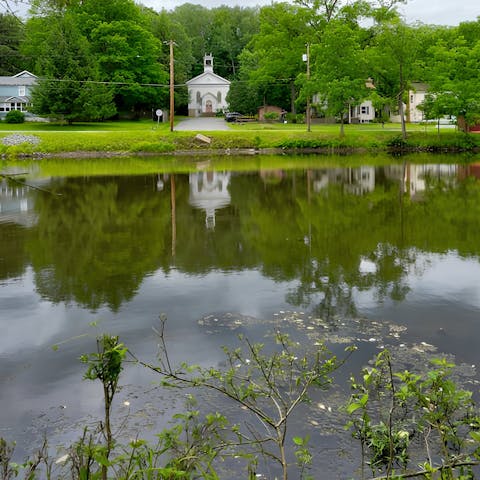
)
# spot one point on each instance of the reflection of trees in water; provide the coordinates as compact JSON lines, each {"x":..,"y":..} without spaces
{"x":382,"y":227}
{"x":328,"y":300}
{"x":323,"y":240}
{"x":13,"y":255}
{"x":95,"y":243}
{"x":331,"y":290}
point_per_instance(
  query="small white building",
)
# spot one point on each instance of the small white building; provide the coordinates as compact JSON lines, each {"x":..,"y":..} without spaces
{"x":416,"y":97}
{"x":363,"y":113}
{"x":207,"y":92}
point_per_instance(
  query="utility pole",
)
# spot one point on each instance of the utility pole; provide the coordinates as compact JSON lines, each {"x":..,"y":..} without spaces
{"x":172,"y":84}
{"x":308,"y":96}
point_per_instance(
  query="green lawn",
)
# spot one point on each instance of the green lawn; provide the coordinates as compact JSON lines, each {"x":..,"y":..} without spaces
{"x":142,"y":125}
{"x":148,"y":136}
{"x":139,"y":125}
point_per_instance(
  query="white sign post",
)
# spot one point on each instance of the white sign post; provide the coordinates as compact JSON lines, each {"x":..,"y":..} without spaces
{"x":159,"y":114}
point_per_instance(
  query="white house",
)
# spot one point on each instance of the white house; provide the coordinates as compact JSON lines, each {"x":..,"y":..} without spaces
{"x":416,"y":97}
{"x":363,"y":113}
{"x":207,"y":92}
{"x":15,"y":92}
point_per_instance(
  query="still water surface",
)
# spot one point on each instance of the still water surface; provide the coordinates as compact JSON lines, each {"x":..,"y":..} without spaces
{"x":394,"y":244}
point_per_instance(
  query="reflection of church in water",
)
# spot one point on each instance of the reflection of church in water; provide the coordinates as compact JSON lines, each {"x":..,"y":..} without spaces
{"x":209,"y":192}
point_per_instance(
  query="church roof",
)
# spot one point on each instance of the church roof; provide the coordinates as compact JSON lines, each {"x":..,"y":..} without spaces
{"x":208,"y":78}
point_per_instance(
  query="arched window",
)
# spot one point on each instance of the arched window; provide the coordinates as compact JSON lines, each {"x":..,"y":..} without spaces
{"x":199,"y":98}
{"x":219,"y":97}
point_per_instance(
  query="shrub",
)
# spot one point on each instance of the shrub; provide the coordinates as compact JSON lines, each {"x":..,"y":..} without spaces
{"x":396,"y":142}
{"x":300,"y":118}
{"x":291,"y":117}
{"x":271,"y":116}
{"x":15,"y":116}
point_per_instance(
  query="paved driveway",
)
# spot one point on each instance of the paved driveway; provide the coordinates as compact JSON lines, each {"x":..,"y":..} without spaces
{"x":200,"y":124}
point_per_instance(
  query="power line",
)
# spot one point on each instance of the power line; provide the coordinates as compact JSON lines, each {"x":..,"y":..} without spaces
{"x":280,"y":81}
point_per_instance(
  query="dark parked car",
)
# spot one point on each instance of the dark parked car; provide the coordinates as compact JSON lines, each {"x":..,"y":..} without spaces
{"x":232,"y":116}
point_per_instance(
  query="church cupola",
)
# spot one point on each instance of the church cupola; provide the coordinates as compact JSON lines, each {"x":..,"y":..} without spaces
{"x":208,"y":63}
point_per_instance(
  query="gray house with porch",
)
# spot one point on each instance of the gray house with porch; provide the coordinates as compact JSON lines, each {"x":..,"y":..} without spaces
{"x":15,"y":92}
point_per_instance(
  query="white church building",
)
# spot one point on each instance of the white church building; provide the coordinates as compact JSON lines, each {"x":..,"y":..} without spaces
{"x":207,"y":92}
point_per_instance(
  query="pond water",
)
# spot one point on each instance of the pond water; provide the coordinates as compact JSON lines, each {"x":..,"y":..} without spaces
{"x":365,"y":248}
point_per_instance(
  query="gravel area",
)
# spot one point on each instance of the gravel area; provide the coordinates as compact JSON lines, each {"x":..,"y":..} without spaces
{"x":18,"y":139}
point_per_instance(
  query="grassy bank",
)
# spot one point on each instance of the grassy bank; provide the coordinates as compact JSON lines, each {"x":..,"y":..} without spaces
{"x":150,"y":137}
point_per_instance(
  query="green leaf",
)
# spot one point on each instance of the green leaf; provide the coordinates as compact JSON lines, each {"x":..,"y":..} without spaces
{"x":353,"y":407}
{"x":298,"y":441}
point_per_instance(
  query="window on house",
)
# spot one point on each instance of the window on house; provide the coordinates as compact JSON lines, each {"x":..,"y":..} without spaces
{"x":219,"y":97}
{"x":411,"y":98}
{"x":365,"y":110}
{"x":21,"y":91}
{"x":199,"y":98}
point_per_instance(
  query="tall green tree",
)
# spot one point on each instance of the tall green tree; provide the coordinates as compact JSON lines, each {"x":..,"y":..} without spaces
{"x":105,"y":11}
{"x":231,"y":30}
{"x":273,"y":58}
{"x":164,"y":28}
{"x":393,"y":56}
{"x":127,"y":52}
{"x":197,"y":21}
{"x":321,"y":12}
{"x":222,"y":31}
{"x":106,"y":41}
{"x":69,"y":86}
{"x":128,"y":57}
{"x":243,"y":97}
{"x":11,"y":35}
{"x":340,"y":69}
{"x":454,"y":77}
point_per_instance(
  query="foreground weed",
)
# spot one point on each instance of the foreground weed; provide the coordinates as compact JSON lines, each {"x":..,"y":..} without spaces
{"x":400,"y":415}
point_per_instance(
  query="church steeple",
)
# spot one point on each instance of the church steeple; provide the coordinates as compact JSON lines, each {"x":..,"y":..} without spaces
{"x":208,"y":63}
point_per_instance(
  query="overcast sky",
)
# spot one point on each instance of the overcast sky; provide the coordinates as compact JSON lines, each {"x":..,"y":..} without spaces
{"x":437,"y":12}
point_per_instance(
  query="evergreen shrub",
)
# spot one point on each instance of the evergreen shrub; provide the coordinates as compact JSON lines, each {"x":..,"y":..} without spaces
{"x":15,"y":116}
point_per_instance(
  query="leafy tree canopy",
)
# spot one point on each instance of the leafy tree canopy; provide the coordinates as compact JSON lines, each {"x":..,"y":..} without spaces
{"x":454,"y":77}
{"x":340,"y":73}
{"x":11,"y":34}
{"x":69,"y":87}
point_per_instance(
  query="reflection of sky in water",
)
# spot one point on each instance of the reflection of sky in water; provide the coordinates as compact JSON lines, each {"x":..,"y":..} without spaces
{"x":434,"y":280}
{"x":449,"y":279}
{"x":441,"y":308}
{"x":35,"y":379}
